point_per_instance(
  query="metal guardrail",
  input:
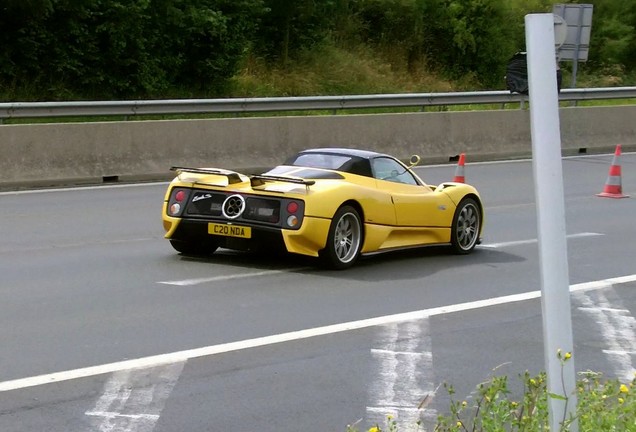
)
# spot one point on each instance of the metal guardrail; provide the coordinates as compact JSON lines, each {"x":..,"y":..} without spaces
{"x":251,"y":105}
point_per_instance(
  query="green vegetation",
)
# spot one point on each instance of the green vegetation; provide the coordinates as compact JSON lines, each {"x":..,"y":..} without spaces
{"x":143,"y":49}
{"x":603,"y":405}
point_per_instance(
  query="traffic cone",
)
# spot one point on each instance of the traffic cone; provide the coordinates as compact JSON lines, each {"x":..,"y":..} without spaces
{"x":613,"y":187}
{"x":459,"y":171}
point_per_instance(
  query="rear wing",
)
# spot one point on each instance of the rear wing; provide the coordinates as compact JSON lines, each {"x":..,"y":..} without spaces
{"x":232,"y":177}
{"x":259,"y":180}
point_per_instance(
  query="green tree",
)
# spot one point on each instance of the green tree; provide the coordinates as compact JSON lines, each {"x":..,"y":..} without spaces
{"x":399,"y":26}
{"x":291,"y":26}
{"x":59,"y":49}
{"x":207,"y":39}
{"x":21,"y":39}
{"x":471,"y":37}
{"x":613,"y":37}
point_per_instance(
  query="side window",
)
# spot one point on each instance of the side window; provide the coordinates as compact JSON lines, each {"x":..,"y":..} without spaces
{"x":390,"y":170}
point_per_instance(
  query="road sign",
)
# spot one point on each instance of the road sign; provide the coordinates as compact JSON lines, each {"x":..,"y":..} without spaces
{"x":579,"y":29}
{"x":560,"y":31}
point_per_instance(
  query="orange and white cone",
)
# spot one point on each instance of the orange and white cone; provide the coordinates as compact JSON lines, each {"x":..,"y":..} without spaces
{"x":459,"y":171}
{"x":613,"y":187}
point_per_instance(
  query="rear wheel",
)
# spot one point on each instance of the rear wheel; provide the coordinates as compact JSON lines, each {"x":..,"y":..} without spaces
{"x":466,"y":226}
{"x":191,"y":247}
{"x":344,"y":240}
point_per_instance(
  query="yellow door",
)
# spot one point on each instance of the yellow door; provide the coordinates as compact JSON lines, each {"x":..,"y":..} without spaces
{"x":419,"y":206}
{"x":416,"y":205}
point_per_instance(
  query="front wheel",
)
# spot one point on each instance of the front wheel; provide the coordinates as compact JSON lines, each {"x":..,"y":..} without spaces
{"x":466,"y":226}
{"x":344,"y":240}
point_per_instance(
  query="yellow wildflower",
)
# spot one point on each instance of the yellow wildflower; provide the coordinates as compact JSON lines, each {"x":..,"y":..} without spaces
{"x":568,"y":355}
{"x":464,"y":403}
{"x":621,"y":400}
{"x":459,"y":424}
{"x":389,"y":417}
{"x":375,"y":429}
{"x":624,"y":389}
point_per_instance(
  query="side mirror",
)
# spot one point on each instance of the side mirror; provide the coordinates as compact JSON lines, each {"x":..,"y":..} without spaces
{"x":415,"y":159}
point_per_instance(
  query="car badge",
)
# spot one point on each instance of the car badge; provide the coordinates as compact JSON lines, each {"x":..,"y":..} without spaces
{"x":201,"y":197}
{"x":233,"y":206}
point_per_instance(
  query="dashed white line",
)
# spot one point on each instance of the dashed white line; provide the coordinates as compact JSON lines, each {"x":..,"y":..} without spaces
{"x":290,"y":336}
{"x":112,"y":415}
{"x":532,"y":241}
{"x":617,"y":327}
{"x":197,"y":281}
{"x":619,"y":352}
{"x":132,"y":400}
{"x":404,"y":371}
{"x":83,"y":188}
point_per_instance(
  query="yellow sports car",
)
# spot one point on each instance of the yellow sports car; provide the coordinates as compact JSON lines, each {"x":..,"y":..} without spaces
{"x":332,"y":203}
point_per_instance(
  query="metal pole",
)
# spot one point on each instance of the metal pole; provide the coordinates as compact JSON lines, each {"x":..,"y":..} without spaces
{"x":548,"y":180}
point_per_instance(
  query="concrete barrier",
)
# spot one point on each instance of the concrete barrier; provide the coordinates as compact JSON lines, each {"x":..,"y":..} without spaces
{"x":75,"y":153}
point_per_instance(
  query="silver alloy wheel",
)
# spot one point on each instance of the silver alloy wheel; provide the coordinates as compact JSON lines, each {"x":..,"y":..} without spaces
{"x":467,"y":229}
{"x":346,"y":240}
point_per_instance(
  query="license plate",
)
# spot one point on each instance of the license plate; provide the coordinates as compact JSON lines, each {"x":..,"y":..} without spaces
{"x":229,"y":230}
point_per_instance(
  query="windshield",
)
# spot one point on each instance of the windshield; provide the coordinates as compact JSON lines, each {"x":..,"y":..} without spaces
{"x":332,"y":161}
{"x":321,"y":160}
{"x":302,"y":172}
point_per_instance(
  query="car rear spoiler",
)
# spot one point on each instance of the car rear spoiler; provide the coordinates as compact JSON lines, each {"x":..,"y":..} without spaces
{"x":258,"y":180}
{"x":232,"y":177}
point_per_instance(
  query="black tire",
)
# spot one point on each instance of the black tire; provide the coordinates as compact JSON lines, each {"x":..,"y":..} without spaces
{"x":466,"y":226}
{"x":191,"y":247}
{"x":344,"y":241}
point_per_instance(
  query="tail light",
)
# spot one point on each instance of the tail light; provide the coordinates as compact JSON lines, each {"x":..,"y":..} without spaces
{"x":177,"y":201}
{"x":292,"y":207}
{"x":294,"y":214}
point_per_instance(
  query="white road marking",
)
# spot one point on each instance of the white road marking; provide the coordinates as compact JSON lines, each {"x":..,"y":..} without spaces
{"x":532,"y":241}
{"x":617,"y":327}
{"x":604,"y":309}
{"x":82,"y":188}
{"x":111,"y":415}
{"x":197,"y":281}
{"x":133,"y":399}
{"x":404,"y":369}
{"x":619,"y":352}
{"x":181,"y":356}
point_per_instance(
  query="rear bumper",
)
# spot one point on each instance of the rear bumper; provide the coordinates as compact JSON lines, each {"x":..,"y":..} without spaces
{"x":193,"y":230}
{"x":309,"y":239}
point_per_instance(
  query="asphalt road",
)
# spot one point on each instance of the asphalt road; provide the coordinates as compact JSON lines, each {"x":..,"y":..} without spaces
{"x":139,"y":338}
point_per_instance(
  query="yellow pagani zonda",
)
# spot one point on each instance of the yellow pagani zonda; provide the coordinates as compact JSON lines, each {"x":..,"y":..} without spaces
{"x":332,"y":203}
